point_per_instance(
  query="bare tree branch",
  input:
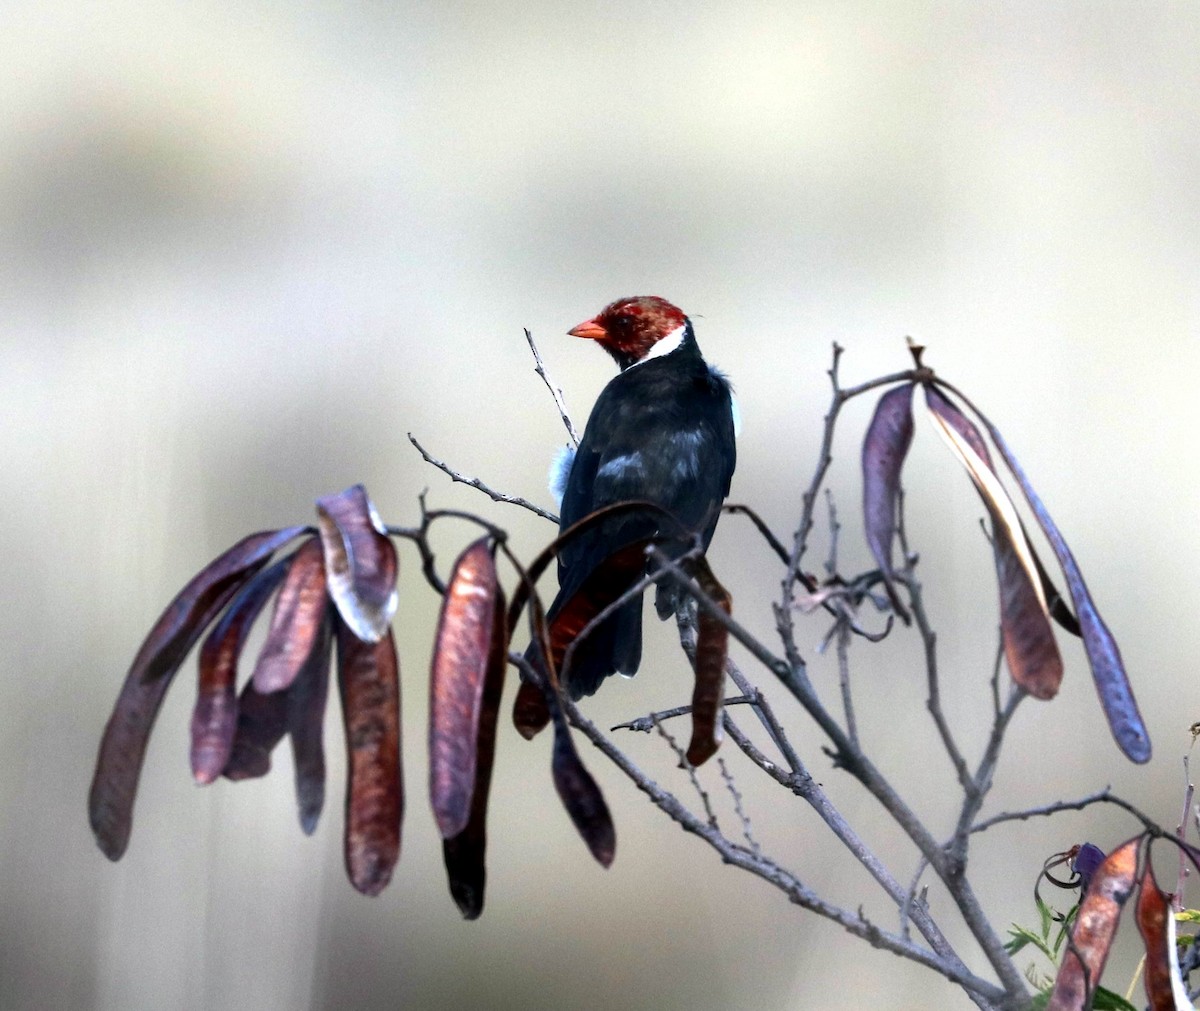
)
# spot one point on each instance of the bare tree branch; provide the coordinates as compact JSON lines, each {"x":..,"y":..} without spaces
{"x":474,"y":482}
{"x":738,"y":807}
{"x":645,"y":724}
{"x":985,"y":994}
{"x":540,"y":368}
{"x":1101,"y":797}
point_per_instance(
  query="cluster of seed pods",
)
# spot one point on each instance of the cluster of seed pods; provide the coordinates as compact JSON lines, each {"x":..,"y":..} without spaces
{"x":1028,"y":597}
{"x":339,"y":587}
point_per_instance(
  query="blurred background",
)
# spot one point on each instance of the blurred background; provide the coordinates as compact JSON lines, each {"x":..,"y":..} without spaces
{"x":244,"y":250}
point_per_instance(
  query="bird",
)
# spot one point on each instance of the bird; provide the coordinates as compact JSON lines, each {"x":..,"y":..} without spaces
{"x":662,"y":431}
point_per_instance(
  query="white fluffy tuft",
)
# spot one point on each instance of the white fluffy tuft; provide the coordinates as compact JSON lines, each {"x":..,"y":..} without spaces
{"x":560,"y":470}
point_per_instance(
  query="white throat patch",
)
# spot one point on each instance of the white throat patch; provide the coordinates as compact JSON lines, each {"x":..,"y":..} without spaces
{"x":670,"y":343}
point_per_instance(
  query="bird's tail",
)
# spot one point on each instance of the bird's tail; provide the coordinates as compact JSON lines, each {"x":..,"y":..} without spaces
{"x":612,"y":647}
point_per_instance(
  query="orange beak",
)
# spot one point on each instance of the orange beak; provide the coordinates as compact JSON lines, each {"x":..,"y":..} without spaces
{"x":589,"y":329}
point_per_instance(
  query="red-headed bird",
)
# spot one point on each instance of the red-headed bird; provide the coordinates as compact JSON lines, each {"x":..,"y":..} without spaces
{"x":661,"y":431}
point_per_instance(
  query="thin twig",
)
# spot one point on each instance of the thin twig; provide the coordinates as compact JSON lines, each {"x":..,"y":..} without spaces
{"x":783,"y":611}
{"x":685,"y":620}
{"x":835,"y":528}
{"x":933,"y":702}
{"x":420,"y":537}
{"x":776,"y":545}
{"x":1101,"y":797}
{"x":645,"y":724}
{"x":684,"y":764}
{"x":738,"y":807}
{"x":851,"y":758}
{"x":995,"y":682}
{"x":1189,"y":790}
{"x":807,"y":581}
{"x":982,"y":782}
{"x":825,"y":456}
{"x":540,"y":368}
{"x":474,"y":482}
{"x":843,"y":659}
{"x":766,"y":715}
{"x":911,"y":901}
{"x":987,"y":993}
{"x":668,"y":567}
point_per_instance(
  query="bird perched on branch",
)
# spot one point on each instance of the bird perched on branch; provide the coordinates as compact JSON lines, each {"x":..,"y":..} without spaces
{"x":662,"y":431}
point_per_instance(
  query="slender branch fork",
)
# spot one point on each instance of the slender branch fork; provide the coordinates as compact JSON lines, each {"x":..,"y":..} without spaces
{"x":840,"y":598}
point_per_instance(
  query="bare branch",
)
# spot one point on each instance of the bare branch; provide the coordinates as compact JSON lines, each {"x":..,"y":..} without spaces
{"x":474,"y":482}
{"x":807,"y":789}
{"x":835,"y":528}
{"x":420,"y":537}
{"x":911,"y":901}
{"x":982,"y":781}
{"x":849,"y":756}
{"x":843,"y":658}
{"x":645,"y":724}
{"x":908,"y":576}
{"x":744,"y":818}
{"x":776,"y":545}
{"x":985,"y":994}
{"x":1181,"y":832}
{"x":540,"y":368}
{"x":684,"y":764}
{"x":668,"y":567}
{"x":1102,"y":797}
{"x":825,"y":457}
{"x":685,"y":620}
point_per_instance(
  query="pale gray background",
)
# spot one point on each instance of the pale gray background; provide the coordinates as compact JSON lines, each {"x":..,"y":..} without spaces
{"x":242,"y":253}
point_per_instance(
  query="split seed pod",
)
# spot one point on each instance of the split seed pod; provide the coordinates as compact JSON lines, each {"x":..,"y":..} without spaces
{"x":1095,"y":929}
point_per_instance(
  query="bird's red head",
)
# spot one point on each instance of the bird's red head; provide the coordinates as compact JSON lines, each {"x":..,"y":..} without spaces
{"x":629,"y":328}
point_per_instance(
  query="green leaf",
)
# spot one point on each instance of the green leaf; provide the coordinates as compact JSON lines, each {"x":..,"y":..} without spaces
{"x":1106,"y":1000}
{"x":1047,"y":915}
{"x":1016,"y":943}
{"x":1021,"y":936}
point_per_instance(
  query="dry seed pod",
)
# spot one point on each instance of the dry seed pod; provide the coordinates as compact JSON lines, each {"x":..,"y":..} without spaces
{"x":712,"y":647}
{"x":123,"y":746}
{"x":360,"y":562}
{"x":461,"y":655}
{"x":1094,"y":930}
{"x":214,"y":718}
{"x":465,"y":853}
{"x":1029,"y":647}
{"x":576,"y":788}
{"x":1108,"y":670}
{"x":370,"y":690}
{"x":296,"y":620}
{"x":1156,"y":923}
{"x":884,"y":448}
{"x":306,"y":723}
